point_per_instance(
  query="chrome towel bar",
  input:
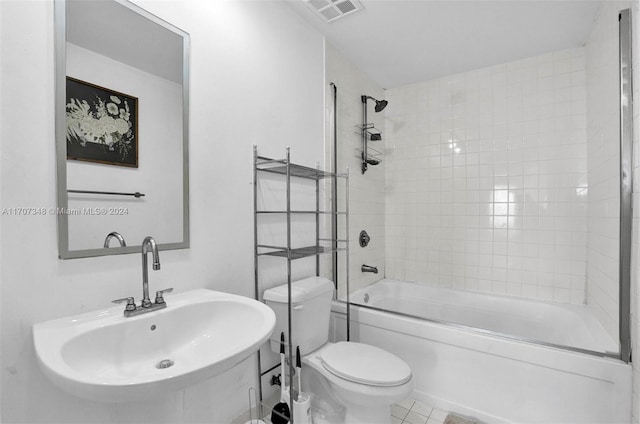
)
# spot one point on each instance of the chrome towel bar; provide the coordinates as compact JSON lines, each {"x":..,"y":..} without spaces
{"x":113,"y":193}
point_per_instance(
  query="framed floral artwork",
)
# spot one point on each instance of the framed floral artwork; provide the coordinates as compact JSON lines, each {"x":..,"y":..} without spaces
{"x":102,"y":125}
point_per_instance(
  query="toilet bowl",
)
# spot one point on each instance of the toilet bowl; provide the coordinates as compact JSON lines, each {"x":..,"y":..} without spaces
{"x":349,"y":382}
{"x":362,"y":382}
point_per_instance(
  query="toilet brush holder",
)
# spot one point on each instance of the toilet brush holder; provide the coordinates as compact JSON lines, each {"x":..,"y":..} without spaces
{"x":254,"y":405}
{"x":302,"y":409}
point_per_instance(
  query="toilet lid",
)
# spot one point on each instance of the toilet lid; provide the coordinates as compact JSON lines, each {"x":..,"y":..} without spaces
{"x":365,"y":364}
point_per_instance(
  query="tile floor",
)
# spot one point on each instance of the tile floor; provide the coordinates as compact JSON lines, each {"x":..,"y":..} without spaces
{"x":411,"y":411}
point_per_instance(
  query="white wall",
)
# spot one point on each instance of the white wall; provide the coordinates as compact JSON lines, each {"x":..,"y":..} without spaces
{"x":160,"y":158}
{"x":486,"y":179}
{"x":256,"y":77}
{"x":366,"y":191}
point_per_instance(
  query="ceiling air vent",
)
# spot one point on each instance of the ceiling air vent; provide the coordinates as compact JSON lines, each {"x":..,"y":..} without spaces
{"x":330,"y":10}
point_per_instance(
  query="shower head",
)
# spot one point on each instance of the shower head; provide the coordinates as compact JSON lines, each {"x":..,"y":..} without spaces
{"x":380,"y":104}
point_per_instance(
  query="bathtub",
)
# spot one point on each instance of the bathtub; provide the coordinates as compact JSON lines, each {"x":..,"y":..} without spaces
{"x":550,"y":323}
{"x":487,"y":374}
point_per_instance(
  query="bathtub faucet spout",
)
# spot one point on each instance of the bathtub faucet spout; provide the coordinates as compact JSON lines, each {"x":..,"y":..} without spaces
{"x":369,"y":268}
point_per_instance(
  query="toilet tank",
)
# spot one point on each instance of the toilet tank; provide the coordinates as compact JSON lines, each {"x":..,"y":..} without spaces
{"x":310,"y":313}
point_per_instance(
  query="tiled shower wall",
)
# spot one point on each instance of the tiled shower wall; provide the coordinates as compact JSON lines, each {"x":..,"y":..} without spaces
{"x":366,"y":192}
{"x":603,"y":159}
{"x":486,"y":179}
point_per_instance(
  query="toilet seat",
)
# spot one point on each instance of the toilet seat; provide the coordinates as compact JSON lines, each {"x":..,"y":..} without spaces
{"x":365,"y":364}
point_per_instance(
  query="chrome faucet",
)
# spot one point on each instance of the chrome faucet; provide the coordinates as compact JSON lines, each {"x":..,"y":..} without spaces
{"x":148,"y":243}
{"x":369,"y":268}
{"x":114,"y":235}
{"x":146,"y":305}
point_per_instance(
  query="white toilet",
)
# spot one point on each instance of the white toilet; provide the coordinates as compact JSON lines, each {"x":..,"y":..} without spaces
{"x":350,"y":383}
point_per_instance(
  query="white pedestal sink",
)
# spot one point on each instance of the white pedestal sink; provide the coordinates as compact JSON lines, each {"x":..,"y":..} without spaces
{"x":106,"y":357}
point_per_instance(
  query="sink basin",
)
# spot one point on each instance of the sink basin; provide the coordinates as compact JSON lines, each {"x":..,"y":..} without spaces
{"x":106,"y":357}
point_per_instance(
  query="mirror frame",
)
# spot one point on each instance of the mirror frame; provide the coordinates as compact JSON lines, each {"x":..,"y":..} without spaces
{"x":64,"y":252}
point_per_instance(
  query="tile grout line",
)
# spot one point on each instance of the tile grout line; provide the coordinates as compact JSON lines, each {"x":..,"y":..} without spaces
{"x":427,"y":417}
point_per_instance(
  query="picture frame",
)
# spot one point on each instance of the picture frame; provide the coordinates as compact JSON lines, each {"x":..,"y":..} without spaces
{"x":101,"y":124}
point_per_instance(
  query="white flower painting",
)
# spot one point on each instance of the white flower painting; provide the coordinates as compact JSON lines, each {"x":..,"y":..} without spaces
{"x":101,"y":124}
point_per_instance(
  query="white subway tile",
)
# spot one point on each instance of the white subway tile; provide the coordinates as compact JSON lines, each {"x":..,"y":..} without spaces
{"x":495,"y":204}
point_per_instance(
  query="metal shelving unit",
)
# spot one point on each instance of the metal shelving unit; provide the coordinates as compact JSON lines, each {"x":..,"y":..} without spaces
{"x":289,"y":170}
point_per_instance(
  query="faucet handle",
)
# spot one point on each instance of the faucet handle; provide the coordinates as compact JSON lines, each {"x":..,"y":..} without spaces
{"x":159,"y":293}
{"x":131,"y":303}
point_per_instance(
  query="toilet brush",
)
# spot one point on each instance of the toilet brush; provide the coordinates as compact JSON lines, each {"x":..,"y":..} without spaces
{"x":302,"y":404}
{"x":298,"y":370}
{"x":283,"y":379}
{"x":281,"y":413}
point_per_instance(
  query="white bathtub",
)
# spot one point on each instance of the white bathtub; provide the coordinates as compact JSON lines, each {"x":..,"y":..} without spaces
{"x":497,"y":379}
{"x":558,"y":324}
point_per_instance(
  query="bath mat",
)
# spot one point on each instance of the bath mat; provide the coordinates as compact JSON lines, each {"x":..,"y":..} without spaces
{"x":457,"y":419}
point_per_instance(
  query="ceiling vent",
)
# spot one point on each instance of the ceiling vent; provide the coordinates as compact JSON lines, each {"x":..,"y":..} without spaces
{"x":330,"y":10}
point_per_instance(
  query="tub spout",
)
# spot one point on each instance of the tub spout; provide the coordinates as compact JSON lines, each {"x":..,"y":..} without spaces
{"x":369,"y":268}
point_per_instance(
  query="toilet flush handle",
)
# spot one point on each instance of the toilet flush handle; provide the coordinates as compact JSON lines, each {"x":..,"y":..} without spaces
{"x":298,"y":307}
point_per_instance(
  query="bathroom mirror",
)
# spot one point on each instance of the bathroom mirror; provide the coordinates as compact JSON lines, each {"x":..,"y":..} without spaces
{"x":122,"y":97}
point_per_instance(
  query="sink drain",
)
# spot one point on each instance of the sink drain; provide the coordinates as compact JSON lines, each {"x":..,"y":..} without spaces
{"x":165,"y":363}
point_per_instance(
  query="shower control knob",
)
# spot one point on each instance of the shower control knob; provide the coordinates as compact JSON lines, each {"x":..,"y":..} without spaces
{"x":364,"y":238}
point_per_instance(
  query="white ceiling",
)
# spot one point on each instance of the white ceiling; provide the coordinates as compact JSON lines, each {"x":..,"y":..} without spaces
{"x":398,"y":42}
{"x":114,"y":30}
